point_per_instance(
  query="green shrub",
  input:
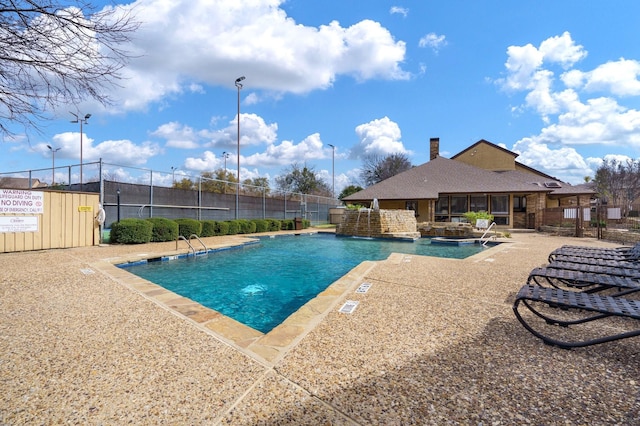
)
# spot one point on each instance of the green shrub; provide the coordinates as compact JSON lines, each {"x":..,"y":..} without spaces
{"x":473,"y":216}
{"x":261,"y":225}
{"x":354,"y":206}
{"x":287,"y":225}
{"x":234,"y":227}
{"x":131,"y":231}
{"x":306,"y":223}
{"x":222,"y":228}
{"x":208,"y":228}
{"x":274,"y":225}
{"x":163,"y":229}
{"x":246,"y":226}
{"x":188,"y":227}
{"x":594,"y":223}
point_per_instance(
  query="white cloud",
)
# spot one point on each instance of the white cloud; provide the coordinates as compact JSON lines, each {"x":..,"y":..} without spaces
{"x":207,"y":162}
{"x":434,"y":41}
{"x":378,"y":137}
{"x":562,"y":50}
{"x":619,"y":78}
{"x":185,"y":44}
{"x":287,"y":152}
{"x":122,"y":151}
{"x":570,"y":115}
{"x":564,"y":163}
{"x":177,"y":135}
{"x":253,"y":131}
{"x":399,"y":11}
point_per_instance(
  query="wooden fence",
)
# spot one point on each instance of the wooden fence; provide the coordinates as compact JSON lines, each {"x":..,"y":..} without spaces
{"x":40,"y":220}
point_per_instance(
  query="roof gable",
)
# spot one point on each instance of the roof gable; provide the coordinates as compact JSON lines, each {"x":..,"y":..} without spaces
{"x":443,"y":175}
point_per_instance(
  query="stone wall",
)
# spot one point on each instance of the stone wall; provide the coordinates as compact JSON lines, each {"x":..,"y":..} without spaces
{"x":445,"y":229}
{"x":377,"y":223}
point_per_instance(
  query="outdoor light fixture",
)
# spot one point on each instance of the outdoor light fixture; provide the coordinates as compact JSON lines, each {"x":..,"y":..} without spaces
{"x":173,"y":175}
{"x":239,"y":86}
{"x":53,"y":164}
{"x":82,"y":121}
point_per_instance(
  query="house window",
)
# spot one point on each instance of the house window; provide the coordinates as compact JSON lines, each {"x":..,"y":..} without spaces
{"x":442,"y":206}
{"x":412,"y":205}
{"x":459,"y":204}
{"x":479,"y":203}
{"x":519,"y":204}
{"x":499,"y":204}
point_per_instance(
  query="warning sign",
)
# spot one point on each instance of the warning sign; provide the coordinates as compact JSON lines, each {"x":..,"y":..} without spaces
{"x":23,"y":202}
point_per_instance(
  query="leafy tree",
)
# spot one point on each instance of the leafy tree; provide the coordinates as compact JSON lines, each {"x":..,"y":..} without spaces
{"x":55,"y":53}
{"x":217,"y":181}
{"x":256,"y":186}
{"x":185,"y":184}
{"x":351,"y":189}
{"x":376,"y":168}
{"x":303,"y":179}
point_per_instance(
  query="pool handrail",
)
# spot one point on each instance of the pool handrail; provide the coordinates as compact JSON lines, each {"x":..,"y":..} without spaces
{"x":484,"y":244}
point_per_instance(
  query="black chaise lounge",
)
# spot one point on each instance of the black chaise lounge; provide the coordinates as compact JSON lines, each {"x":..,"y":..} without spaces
{"x":620,"y":253}
{"x":628,"y":270}
{"x":566,"y":279}
{"x":532,"y":296}
{"x":627,"y":262}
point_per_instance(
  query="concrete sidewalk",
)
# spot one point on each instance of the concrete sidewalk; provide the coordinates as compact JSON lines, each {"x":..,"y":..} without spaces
{"x":434,"y":341}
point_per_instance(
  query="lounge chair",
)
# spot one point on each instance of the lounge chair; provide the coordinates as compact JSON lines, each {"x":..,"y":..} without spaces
{"x":597,"y":260}
{"x":584,"y":281}
{"x":623,"y":271}
{"x":620,"y":253}
{"x":532,"y":296}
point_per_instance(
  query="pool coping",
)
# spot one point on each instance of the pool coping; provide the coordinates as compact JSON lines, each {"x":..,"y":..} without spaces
{"x":267,"y":348}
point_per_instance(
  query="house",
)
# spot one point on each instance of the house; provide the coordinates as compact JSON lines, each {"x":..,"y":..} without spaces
{"x":21,"y":183}
{"x":483,"y":177}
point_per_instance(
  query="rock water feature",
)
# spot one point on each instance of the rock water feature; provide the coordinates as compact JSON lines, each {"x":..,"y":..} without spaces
{"x":375,"y":223}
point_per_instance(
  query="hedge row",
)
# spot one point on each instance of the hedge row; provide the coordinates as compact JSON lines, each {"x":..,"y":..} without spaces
{"x":158,"y":229}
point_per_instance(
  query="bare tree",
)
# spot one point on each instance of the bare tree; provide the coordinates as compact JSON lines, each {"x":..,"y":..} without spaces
{"x":619,"y":182}
{"x":376,"y":168}
{"x":302,"y":179}
{"x":53,"y":55}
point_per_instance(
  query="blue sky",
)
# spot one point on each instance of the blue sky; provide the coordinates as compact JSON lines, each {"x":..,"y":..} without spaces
{"x":555,"y":81}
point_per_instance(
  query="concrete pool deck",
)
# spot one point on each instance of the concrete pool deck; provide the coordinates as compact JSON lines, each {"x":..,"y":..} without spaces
{"x":433,"y":341}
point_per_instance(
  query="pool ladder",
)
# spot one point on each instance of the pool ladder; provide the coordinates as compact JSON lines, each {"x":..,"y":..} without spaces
{"x":195,"y":253}
{"x":482,"y":240}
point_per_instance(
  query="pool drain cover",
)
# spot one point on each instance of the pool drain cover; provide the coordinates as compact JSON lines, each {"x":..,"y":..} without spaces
{"x":349,"y":306}
{"x":364,"y":287}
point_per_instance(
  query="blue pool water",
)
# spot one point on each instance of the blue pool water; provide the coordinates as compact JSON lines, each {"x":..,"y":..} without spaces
{"x":262,"y":284}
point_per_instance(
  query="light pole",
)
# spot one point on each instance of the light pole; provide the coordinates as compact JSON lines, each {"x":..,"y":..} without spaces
{"x":238,"y":84}
{"x":333,"y":171}
{"x":82,"y":121}
{"x":225,"y":155}
{"x":53,"y":164}
{"x":118,"y":202}
{"x":173,"y":175}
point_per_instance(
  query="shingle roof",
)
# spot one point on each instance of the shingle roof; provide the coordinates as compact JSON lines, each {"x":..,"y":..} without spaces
{"x":443,"y":175}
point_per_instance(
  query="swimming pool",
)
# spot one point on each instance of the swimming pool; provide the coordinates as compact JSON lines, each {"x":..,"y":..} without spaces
{"x":260,"y":285}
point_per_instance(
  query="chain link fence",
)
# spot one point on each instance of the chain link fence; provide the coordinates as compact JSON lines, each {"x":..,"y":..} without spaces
{"x":142,"y":193}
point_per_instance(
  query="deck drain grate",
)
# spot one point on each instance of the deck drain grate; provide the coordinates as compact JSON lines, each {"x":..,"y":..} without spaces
{"x":349,"y":306}
{"x":87,"y":271}
{"x":364,"y":287}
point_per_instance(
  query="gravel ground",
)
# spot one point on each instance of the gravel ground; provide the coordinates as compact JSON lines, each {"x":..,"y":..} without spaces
{"x":434,"y":341}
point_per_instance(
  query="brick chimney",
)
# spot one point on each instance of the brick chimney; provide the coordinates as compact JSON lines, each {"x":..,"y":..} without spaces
{"x":434,"y":148}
